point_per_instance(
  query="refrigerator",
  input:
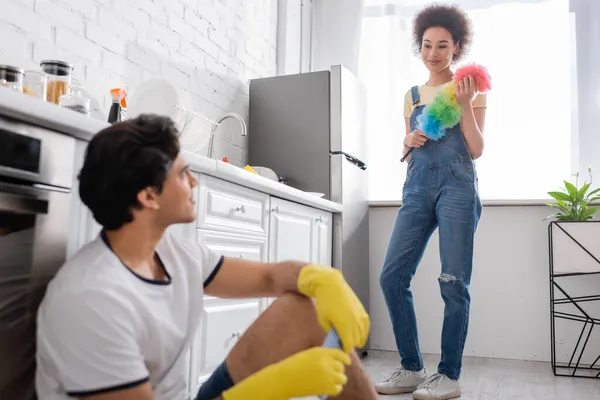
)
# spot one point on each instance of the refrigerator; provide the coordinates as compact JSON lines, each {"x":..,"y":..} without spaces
{"x":310,"y":129}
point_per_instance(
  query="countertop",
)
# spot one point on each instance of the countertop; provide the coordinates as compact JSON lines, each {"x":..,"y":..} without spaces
{"x":31,"y":110}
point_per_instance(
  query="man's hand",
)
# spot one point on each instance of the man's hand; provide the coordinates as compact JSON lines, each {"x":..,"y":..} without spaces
{"x":336,"y":303}
{"x":311,"y":372}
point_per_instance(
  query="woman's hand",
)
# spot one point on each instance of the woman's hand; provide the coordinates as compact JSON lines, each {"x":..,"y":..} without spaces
{"x":466,"y":91}
{"x":415,"y":139}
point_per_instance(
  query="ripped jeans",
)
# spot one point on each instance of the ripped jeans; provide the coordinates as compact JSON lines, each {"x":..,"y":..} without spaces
{"x":440,"y":195}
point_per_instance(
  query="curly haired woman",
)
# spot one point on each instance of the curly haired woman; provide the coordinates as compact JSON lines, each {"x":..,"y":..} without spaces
{"x":440,"y":191}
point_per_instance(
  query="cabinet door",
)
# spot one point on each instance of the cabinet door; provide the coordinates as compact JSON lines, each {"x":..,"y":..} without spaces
{"x":291,"y":232}
{"x":224,"y":320}
{"x":322,"y":238}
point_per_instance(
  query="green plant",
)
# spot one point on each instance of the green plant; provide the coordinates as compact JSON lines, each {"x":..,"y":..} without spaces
{"x":573,"y":202}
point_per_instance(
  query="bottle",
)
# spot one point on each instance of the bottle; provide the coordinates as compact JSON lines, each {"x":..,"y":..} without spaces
{"x":118,"y":109}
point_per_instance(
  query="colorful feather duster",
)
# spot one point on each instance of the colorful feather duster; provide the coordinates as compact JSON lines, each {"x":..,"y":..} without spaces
{"x":445,"y":112}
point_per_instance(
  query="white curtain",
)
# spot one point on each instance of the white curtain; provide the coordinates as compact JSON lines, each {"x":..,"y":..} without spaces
{"x":531,"y":129}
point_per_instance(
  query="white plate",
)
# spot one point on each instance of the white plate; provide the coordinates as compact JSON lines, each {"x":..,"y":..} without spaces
{"x":316,"y":194}
{"x":155,"y":96}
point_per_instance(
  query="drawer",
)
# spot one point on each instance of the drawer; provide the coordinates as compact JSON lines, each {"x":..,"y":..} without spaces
{"x":229,"y":207}
{"x":252,"y":248}
{"x":220,"y":329}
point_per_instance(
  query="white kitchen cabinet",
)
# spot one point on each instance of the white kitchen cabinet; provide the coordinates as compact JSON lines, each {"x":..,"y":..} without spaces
{"x":225,"y":206}
{"x":322,"y":240}
{"x":224,"y":320}
{"x":291,"y":231}
{"x":299,"y":233}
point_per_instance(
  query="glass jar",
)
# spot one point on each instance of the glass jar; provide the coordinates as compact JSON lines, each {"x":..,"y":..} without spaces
{"x":36,"y":84}
{"x":59,"y":78}
{"x":11,"y":77}
{"x":76,"y":100}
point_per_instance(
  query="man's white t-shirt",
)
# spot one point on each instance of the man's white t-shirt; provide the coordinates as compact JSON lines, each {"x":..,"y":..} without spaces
{"x":102,"y":328}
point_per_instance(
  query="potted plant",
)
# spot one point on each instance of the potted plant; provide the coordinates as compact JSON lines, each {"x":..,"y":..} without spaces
{"x":574,"y":231}
{"x":574,"y":247}
{"x":575,"y":203}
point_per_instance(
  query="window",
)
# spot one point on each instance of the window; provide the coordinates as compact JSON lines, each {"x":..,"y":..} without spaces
{"x":294,"y":36}
{"x":533,"y":139}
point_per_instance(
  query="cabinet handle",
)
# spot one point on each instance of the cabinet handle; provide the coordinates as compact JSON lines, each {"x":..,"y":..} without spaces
{"x":235,"y":335}
{"x":320,"y":219}
{"x":241,"y":208}
{"x":275,"y":209}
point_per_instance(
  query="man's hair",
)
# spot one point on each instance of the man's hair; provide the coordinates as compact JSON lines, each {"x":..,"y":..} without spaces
{"x":450,"y":17}
{"x":121,"y":161}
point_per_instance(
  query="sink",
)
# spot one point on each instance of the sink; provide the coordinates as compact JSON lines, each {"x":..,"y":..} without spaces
{"x":242,"y":173}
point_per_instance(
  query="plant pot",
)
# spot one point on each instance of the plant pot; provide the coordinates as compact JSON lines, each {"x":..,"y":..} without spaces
{"x":574,"y":247}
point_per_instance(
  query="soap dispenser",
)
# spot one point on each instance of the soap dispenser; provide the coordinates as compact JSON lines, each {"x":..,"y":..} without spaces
{"x":118,"y":109}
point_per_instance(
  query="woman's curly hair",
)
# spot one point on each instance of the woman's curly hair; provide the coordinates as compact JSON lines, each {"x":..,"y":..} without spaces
{"x":450,"y":17}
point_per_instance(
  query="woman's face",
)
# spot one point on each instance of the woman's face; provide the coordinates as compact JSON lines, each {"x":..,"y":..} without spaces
{"x":437,"y":49}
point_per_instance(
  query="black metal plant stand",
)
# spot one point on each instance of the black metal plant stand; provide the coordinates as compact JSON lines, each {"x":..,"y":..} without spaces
{"x":560,"y":296}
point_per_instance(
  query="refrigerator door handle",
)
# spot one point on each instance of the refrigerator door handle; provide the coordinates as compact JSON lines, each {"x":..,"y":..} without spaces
{"x":350,"y":158}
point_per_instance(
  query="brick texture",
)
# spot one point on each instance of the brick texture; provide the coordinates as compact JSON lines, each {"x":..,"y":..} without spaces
{"x":208,"y":49}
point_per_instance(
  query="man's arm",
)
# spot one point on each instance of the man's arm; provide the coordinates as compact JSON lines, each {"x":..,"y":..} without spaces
{"x":250,"y":279}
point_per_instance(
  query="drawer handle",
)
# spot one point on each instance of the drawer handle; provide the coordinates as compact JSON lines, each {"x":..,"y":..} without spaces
{"x":234,"y":336}
{"x":241,"y":208}
{"x":275,"y":209}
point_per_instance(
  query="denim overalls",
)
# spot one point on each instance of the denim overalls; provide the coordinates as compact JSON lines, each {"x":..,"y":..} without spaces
{"x":440,"y":191}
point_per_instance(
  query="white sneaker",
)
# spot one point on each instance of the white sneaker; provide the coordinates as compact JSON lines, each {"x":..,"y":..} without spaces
{"x":401,"y":381}
{"x":438,"y":387}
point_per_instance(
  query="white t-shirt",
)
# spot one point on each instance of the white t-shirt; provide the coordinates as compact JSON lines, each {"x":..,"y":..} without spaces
{"x":101,"y":327}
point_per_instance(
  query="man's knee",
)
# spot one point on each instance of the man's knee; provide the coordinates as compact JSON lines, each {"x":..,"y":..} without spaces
{"x":299,"y":312}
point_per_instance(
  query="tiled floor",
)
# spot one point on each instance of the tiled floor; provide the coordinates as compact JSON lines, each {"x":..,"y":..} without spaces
{"x":494,"y":379}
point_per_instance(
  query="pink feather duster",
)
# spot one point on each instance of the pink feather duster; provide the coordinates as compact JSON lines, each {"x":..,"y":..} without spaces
{"x":483,"y":81}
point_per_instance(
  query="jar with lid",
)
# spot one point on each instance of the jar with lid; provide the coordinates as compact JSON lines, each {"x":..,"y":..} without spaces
{"x":59,"y":78}
{"x":76,"y":100}
{"x":36,"y":84}
{"x":12,"y":77}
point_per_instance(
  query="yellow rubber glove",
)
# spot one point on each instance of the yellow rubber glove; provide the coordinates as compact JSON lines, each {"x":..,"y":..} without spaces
{"x":313,"y":372}
{"x":336,"y":303}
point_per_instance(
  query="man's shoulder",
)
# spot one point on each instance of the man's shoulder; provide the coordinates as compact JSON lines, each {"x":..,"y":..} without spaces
{"x":91,"y":269}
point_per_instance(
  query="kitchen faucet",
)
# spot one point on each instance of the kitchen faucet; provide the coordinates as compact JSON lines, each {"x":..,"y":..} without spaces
{"x":217,"y":125}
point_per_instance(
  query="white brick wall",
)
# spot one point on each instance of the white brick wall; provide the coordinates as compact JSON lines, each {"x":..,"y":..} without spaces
{"x":207,"y":48}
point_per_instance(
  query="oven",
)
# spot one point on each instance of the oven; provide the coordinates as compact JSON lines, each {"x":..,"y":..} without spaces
{"x":36,"y":176}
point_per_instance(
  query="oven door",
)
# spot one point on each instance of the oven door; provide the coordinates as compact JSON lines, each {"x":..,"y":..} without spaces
{"x":33,"y":245}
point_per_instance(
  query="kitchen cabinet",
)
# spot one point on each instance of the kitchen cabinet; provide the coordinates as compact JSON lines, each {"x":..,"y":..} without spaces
{"x":282,"y":230}
{"x":228,"y":207}
{"x":224,"y":320}
{"x":299,"y":233}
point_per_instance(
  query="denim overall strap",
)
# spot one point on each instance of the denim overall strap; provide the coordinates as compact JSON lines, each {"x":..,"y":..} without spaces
{"x":414,"y":92}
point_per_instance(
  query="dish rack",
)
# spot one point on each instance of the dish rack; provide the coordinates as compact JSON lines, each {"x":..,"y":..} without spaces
{"x":195,"y":130}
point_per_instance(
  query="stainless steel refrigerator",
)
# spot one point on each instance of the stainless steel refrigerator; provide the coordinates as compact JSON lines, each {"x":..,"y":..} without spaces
{"x":310,"y":128}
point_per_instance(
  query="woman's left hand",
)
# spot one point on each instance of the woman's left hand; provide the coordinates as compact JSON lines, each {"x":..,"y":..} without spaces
{"x":466,"y":91}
